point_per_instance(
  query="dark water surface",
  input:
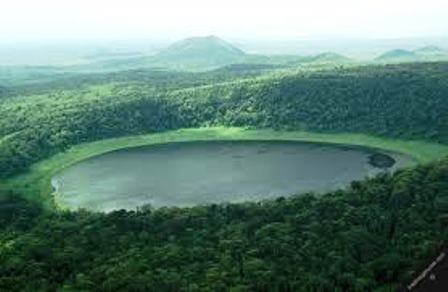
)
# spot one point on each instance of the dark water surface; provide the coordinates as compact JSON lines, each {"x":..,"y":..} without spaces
{"x":187,"y":174}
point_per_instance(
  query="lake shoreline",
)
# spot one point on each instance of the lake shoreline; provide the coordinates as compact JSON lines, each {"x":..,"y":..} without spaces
{"x":186,"y":174}
{"x":35,"y":183}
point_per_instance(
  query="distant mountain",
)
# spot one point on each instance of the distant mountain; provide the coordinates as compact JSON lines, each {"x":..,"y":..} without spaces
{"x":424,"y":54}
{"x":329,"y":57}
{"x":430,"y":50}
{"x":397,"y":55}
{"x":201,"y":47}
{"x":209,"y":51}
{"x":203,"y":54}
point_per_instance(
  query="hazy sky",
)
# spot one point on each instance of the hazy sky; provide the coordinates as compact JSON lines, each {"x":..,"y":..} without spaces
{"x":31,"y":20}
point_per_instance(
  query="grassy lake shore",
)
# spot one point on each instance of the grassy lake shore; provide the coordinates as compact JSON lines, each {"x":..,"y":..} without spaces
{"x":35,"y":183}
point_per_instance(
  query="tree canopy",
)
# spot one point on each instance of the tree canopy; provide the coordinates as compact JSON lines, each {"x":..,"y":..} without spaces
{"x":399,"y":101}
{"x":371,"y":236}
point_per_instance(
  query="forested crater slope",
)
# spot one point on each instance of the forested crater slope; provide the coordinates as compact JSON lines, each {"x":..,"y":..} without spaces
{"x":372,"y":235}
{"x":406,"y":101}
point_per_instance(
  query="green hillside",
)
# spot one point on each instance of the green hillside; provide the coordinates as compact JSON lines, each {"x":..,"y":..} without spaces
{"x":398,"y":55}
{"x":424,"y":54}
{"x":206,"y":52}
{"x":400,"y":101}
{"x":223,"y":146}
{"x":200,"y":47}
{"x":370,"y":236}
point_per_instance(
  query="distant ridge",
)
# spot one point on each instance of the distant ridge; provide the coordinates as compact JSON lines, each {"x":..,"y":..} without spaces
{"x":397,"y":54}
{"x":198,"y":54}
{"x":209,"y":51}
{"x":198,"y":45}
{"x":329,"y":57}
{"x":430,"y":50}
{"x":423,"y":54}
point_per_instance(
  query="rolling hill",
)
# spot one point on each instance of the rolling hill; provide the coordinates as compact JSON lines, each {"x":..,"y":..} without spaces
{"x":200,"y":47}
{"x":397,"y":55}
{"x":424,"y":54}
{"x":327,"y":57}
{"x":208,"y":52}
{"x":211,"y":52}
{"x":430,"y":50}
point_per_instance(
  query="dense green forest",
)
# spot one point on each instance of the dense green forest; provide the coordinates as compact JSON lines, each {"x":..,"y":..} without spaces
{"x":24,"y":83}
{"x":370,"y":237}
{"x":400,"y":101}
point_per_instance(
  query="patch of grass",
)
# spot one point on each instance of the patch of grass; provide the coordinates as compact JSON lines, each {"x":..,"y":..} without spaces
{"x":35,"y":183}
